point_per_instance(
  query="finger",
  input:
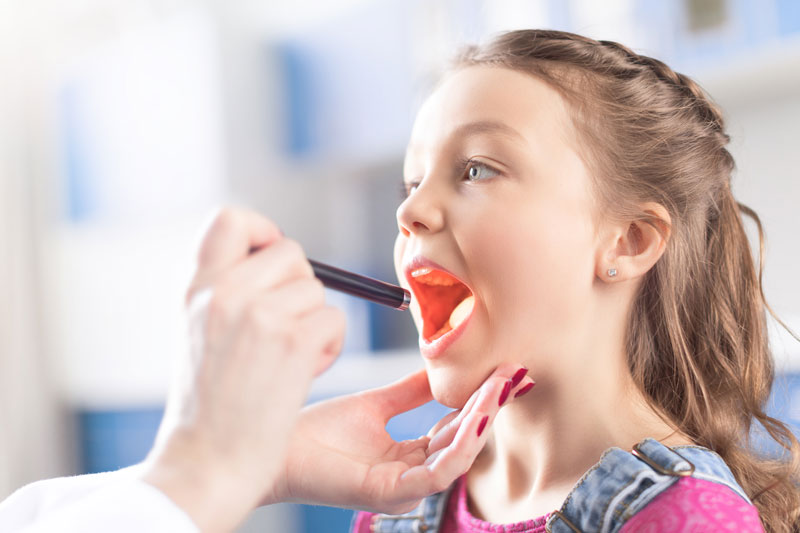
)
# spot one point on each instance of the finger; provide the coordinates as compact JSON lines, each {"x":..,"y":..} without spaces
{"x":232,"y":234}
{"x":296,"y":297}
{"x":456,"y":459}
{"x":495,"y":387}
{"x":444,"y":436}
{"x":323,"y":332}
{"x":268,"y":267}
{"x":443,"y":422}
{"x":403,"y":395}
{"x":444,"y":466}
{"x":412,"y":452}
{"x":265,"y":283}
{"x":454,"y":417}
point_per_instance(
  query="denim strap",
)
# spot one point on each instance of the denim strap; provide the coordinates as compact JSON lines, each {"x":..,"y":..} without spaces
{"x":426,"y":518}
{"x":623,"y":483}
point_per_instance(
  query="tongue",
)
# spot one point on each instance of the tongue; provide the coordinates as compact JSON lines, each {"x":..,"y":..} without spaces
{"x":458,"y":315}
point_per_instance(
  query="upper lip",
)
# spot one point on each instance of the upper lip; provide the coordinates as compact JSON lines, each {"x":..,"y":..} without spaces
{"x":420,"y":261}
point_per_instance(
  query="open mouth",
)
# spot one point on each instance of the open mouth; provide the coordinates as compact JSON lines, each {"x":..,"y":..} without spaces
{"x":444,"y":301}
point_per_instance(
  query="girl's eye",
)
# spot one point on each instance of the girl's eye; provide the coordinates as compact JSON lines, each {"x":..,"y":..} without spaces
{"x":477,"y":171}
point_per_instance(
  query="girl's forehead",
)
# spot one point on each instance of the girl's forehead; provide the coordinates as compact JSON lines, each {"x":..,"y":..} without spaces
{"x":491,"y":101}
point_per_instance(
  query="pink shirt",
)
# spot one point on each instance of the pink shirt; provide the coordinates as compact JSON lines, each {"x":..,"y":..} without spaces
{"x":689,"y":505}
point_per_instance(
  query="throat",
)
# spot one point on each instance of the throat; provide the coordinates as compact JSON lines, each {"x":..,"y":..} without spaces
{"x":495,"y":500}
{"x":451,"y":314}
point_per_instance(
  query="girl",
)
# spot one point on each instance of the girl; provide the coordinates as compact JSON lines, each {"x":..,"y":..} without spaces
{"x":569,"y":207}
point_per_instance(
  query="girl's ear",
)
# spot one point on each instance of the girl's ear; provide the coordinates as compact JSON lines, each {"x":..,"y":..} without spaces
{"x":630,"y":249}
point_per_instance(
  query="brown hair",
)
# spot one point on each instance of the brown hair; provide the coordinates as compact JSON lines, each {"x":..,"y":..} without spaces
{"x":697,"y":337}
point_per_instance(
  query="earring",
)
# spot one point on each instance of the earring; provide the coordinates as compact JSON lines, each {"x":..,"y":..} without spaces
{"x":612,"y":272}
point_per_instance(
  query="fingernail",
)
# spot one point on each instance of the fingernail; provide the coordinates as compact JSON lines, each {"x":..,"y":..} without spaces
{"x":518,"y":376}
{"x":524,"y":389}
{"x":504,"y":394}
{"x":482,"y":425}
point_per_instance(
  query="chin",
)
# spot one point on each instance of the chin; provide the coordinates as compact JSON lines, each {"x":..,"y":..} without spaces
{"x":450,"y":387}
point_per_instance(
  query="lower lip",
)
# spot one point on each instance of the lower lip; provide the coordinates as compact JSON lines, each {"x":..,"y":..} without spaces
{"x":436,"y":348}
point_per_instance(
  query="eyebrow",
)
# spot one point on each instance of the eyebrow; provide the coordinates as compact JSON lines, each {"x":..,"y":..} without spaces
{"x":487,"y":126}
{"x":480,"y":127}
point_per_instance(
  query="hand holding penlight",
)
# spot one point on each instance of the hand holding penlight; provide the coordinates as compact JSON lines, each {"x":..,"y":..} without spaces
{"x":361,"y":286}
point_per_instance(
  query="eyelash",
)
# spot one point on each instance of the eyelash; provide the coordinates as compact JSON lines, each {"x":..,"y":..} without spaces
{"x":466,"y":165}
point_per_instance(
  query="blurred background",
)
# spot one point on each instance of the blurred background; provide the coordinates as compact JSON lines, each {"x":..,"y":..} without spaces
{"x":123,"y":124}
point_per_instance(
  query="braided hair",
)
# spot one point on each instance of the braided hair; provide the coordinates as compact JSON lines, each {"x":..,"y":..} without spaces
{"x":696,"y":339}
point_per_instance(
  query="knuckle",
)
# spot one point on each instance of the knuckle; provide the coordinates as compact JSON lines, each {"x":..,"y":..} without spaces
{"x":298,"y":257}
{"x":226,"y":220}
{"x":463,"y":456}
{"x":292,"y":247}
{"x":226,"y":215}
{"x":256,"y":315}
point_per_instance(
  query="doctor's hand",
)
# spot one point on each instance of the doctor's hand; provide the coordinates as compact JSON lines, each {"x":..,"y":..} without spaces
{"x":259,"y":331}
{"x":341,"y":454}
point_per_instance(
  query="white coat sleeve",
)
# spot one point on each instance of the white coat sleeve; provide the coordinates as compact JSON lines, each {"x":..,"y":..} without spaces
{"x":111,"y":501}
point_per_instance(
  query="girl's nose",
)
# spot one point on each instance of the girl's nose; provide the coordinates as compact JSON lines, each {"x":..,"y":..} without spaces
{"x":422,"y":211}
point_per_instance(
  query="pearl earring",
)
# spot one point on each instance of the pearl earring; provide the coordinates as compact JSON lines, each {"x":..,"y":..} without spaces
{"x":612,"y":272}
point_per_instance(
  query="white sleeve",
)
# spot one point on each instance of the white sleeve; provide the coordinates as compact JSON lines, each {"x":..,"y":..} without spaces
{"x":111,"y":501}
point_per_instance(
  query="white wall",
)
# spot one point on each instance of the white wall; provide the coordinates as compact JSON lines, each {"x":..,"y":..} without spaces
{"x":760,"y":94}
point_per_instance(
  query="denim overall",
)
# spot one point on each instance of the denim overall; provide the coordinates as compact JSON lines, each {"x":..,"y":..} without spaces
{"x":611,"y":492}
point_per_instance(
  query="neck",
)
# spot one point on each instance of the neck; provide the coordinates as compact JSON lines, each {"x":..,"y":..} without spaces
{"x":545,"y":441}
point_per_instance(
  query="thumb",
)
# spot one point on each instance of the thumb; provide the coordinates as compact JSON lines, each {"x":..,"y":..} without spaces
{"x":403,"y":395}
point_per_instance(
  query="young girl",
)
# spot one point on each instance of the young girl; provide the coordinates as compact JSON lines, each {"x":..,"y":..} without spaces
{"x":569,"y":207}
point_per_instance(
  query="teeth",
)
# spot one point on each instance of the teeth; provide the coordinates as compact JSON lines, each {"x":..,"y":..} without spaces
{"x":462,"y":311}
{"x":428,"y":276}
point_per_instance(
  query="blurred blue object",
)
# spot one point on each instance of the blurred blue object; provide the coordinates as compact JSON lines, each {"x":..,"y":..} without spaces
{"x":79,"y":202}
{"x":788,"y":16}
{"x":338,"y":97}
{"x":113,"y":439}
{"x":783,"y":404}
{"x":300,"y":101}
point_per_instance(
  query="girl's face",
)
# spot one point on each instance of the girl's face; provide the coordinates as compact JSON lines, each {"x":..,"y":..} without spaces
{"x":500,"y":199}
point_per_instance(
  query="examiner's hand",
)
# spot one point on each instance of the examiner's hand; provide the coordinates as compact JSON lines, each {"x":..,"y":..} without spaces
{"x":259,"y":331}
{"x":341,"y":454}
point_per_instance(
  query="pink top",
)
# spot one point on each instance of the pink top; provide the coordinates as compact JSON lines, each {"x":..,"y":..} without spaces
{"x":689,"y":505}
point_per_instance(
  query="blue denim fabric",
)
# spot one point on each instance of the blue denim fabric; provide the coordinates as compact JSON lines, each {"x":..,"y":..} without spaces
{"x":622,"y":484}
{"x":609,"y":494}
{"x":426,"y":518}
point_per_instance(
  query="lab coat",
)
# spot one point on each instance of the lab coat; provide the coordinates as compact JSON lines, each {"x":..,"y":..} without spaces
{"x":109,"y":502}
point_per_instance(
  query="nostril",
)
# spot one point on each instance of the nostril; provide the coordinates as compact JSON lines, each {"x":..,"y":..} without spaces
{"x":420,"y":225}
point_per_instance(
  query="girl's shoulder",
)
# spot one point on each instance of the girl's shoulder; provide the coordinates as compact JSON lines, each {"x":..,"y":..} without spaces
{"x":666,"y":489}
{"x":699,"y":505}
